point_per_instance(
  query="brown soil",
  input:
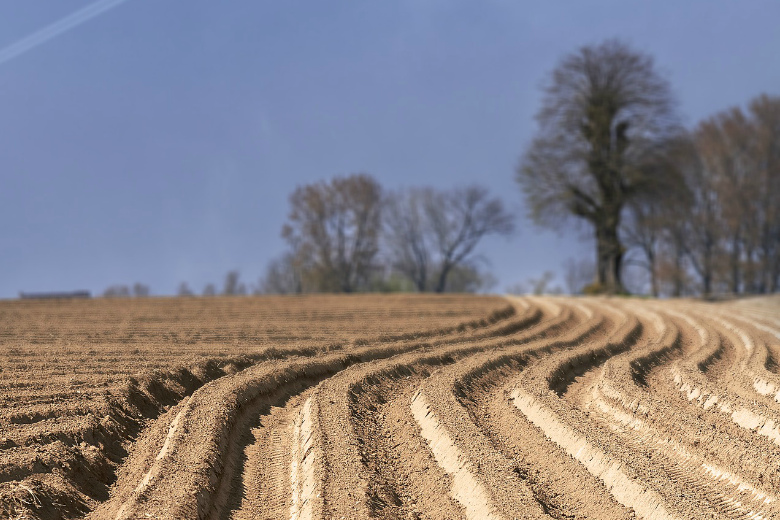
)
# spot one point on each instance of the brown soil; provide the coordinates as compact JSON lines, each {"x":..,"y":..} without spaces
{"x":394,"y":408}
{"x":83,"y":382}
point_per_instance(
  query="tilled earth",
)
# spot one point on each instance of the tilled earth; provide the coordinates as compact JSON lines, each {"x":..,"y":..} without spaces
{"x":535,"y":407}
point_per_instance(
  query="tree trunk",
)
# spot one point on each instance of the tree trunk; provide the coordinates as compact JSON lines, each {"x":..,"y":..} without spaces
{"x":609,"y":255}
{"x":442,"y":283}
{"x":706,"y":276}
{"x":775,"y":277}
{"x":678,"y":271}
{"x":653,"y":274}
{"x":735,"y":268}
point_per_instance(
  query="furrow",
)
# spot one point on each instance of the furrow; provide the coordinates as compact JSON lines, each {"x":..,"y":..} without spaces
{"x":626,"y":488}
{"x":455,"y":436}
{"x":543,"y":407}
{"x":749,"y":377}
{"x":202,"y":475}
{"x":354,"y":488}
{"x":632,"y":407}
{"x":263,"y":492}
{"x":643,"y":420}
{"x":710,"y":396}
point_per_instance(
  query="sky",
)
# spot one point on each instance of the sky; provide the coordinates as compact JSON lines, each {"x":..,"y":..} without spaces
{"x":158,"y":140}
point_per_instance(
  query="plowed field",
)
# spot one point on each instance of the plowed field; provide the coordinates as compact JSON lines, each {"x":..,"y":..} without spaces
{"x":390,"y":407}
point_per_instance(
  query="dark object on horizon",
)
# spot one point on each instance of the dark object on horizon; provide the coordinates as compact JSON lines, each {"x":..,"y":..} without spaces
{"x":54,"y":295}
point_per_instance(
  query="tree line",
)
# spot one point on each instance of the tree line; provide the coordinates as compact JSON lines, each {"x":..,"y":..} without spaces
{"x":350,"y":235}
{"x":718,"y":230}
{"x":696,"y":209}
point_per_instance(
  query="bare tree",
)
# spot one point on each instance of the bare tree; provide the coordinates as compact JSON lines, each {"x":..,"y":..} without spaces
{"x":653,"y":212}
{"x":577,"y":274}
{"x":643,"y":233}
{"x":117,"y":291}
{"x":698,"y":230}
{"x":741,"y":152}
{"x":409,"y":235}
{"x":334,"y":229}
{"x":671,"y":269}
{"x":184,"y":290}
{"x":723,"y":146}
{"x":765,"y":111}
{"x":536,"y":285}
{"x":459,"y":219}
{"x":209,"y":290}
{"x":733,"y":238}
{"x":140,"y":290}
{"x":283,"y":276}
{"x":469,"y":278}
{"x":606,"y":114}
{"x":232,"y":285}
{"x":432,"y":233}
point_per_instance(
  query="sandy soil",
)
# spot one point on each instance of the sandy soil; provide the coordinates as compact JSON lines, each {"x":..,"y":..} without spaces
{"x":536,"y":407}
{"x":83,"y":382}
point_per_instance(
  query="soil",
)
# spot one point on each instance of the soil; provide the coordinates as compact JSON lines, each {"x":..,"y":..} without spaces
{"x":392,"y":407}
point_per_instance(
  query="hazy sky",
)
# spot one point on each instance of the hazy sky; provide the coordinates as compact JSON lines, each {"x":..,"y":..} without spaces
{"x":158,"y":142}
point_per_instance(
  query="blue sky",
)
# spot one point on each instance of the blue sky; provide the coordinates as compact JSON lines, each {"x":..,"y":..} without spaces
{"x":159,"y":141}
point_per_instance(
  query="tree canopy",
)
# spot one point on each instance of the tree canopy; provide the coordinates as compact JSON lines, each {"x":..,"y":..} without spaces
{"x":605,"y":119}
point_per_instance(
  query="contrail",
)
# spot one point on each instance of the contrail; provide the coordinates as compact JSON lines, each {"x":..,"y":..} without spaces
{"x":61,"y":26}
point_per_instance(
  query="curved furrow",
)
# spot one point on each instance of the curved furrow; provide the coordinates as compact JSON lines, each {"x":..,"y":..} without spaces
{"x":537,"y":397}
{"x":713,"y":396}
{"x":219,"y":423}
{"x":769,"y":328}
{"x":713,"y":462}
{"x":347,"y":485}
{"x":763,"y":307}
{"x":197,"y":475}
{"x":466,"y":453}
{"x":761,"y":362}
{"x":562,"y":487}
{"x":598,"y":449}
{"x":641,"y":416}
{"x":558,"y":482}
{"x":767,"y":324}
{"x":539,"y":393}
{"x":750,"y":377}
{"x":264,"y":495}
{"x":184,"y":478}
{"x":549,"y":407}
{"x":263,"y":485}
{"x":306,"y":469}
{"x":363,"y":478}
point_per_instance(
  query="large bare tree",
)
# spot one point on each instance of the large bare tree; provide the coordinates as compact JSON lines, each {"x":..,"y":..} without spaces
{"x":606,"y":115}
{"x":334,"y":229}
